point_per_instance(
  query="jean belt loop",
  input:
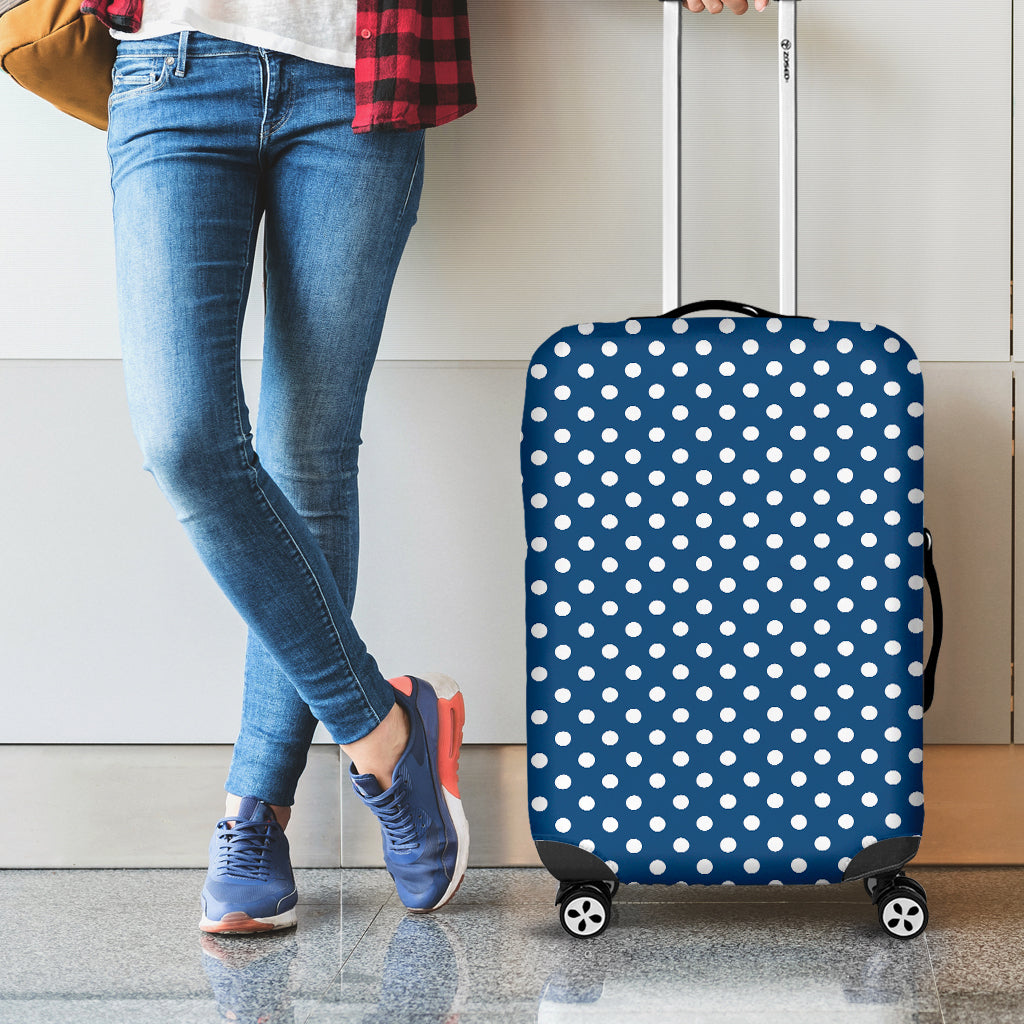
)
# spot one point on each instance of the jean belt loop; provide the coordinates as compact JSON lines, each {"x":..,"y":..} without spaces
{"x":179,"y":69}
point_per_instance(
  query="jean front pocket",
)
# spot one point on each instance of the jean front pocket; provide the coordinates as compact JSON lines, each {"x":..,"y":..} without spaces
{"x":134,"y":74}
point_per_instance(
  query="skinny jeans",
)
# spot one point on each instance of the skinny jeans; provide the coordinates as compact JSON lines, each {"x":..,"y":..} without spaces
{"x":206,"y":137}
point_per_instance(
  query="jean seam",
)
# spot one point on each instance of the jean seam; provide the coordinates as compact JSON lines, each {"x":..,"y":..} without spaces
{"x":318,"y":591}
{"x":157,"y":85}
{"x":385,"y":293}
{"x":412,"y":179}
{"x":325,"y":609}
{"x":381,"y":301}
{"x":265,"y":63}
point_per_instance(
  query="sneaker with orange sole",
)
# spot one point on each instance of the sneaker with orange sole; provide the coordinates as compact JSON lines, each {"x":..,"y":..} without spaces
{"x":249,"y":886}
{"x":423,"y":825}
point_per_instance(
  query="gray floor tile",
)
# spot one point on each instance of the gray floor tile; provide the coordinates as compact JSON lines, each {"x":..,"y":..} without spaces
{"x":501,"y":953}
{"x":975,"y":1008}
{"x":99,"y":946}
{"x":84,"y":945}
{"x":121,"y":1011}
{"x":976,"y":940}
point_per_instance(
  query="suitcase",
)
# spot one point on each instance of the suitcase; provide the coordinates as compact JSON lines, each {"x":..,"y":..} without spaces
{"x":725,"y":571}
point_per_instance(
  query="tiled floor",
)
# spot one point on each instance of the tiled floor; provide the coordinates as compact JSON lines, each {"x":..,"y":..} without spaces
{"x":123,"y":946}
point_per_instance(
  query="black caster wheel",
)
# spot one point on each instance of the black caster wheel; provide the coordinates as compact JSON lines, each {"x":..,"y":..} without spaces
{"x":585,"y":911}
{"x":903,"y":911}
{"x":871,"y":885}
{"x":914,"y":884}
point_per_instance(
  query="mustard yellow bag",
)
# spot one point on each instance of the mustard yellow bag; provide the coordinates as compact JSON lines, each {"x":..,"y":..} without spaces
{"x":50,"y":48}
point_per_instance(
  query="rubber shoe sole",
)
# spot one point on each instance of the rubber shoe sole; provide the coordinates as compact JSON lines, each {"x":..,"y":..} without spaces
{"x":240,"y":923}
{"x":451,"y":717}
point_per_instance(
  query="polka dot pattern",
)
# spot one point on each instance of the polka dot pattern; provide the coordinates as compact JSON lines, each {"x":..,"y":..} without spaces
{"x":724,"y":601}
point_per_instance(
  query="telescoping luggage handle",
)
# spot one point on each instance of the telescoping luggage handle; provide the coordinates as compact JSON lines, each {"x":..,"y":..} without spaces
{"x":672,"y":35}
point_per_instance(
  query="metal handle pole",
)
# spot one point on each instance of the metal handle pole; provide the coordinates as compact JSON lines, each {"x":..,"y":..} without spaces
{"x":787,"y":157}
{"x":671,"y":289}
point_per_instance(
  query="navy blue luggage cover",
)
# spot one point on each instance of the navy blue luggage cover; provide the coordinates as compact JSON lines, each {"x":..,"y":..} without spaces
{"x":724,"y":595}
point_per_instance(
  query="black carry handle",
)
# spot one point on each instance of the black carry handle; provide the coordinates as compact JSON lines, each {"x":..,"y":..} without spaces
{"x":735,"y":307}
{"x":933,"y":588}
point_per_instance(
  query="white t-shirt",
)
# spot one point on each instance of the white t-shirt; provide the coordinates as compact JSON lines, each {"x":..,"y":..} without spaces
{"x":320,"y":30}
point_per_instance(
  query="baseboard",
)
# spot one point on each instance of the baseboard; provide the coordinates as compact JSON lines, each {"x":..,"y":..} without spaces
{"x":973,"y":804}
{"x":154,"y":805}
{"x":974,"y":808}
{"x":113,"y":806}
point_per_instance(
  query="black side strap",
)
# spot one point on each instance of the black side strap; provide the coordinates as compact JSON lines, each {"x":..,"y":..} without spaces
{"x":933,"y":588}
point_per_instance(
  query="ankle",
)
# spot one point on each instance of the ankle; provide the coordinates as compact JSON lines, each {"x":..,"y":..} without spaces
{"x":378,"y":752}
{"x":232,"y":803}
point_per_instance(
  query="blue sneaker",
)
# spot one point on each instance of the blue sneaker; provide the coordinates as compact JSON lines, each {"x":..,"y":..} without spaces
{"x":424,"y":828}
{"x":249,"y":886}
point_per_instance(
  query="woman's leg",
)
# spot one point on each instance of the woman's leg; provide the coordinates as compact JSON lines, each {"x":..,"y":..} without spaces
{"x":197,"y":155}
{"x":190,"y":172}
{"x":339,"y":209}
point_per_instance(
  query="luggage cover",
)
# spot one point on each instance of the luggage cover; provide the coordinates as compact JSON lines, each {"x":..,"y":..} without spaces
{"x":724,"y":602}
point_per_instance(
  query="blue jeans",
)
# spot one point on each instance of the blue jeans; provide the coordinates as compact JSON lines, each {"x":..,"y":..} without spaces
{"x":206,"y":136}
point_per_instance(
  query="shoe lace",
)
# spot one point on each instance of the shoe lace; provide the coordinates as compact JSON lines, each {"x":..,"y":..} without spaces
{"x":397,"y":822}
{"x":244,"y":848}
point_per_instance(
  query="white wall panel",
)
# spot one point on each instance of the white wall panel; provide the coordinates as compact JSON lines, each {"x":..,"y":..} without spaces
{"x":903,"y":167}
{"x":539,"y":208}
{"x":111,"y":629}
{"x":544,"y":204}
{"x":968,"y":508}
{"x":57,"y":260}
{"x":441,"y":584}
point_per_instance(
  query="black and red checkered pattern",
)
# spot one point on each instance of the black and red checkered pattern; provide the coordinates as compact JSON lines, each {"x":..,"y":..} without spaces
{"x":413,"y":68}
{"x":412,"y":64}
{"x":122,"y":15}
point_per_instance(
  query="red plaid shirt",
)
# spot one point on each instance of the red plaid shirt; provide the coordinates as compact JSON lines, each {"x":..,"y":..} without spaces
{"x":412,"y":59}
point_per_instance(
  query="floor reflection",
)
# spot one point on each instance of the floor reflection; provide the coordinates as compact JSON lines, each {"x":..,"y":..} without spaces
{"x":251,"y":975}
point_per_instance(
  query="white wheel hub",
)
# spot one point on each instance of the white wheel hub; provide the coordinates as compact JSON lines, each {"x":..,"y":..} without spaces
{"x":903,"y":916}
{"x":584,"y":915}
